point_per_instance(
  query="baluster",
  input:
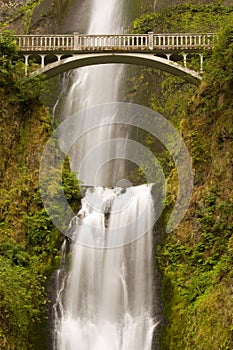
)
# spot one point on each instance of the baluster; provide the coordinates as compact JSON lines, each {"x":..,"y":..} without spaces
{"x":182,"y":41}
{"x":160,"y":39}
{"x":199,"y":40}
{"x":173,"y":40}
{"x":164,"y":41}
{"x":195,"y":40}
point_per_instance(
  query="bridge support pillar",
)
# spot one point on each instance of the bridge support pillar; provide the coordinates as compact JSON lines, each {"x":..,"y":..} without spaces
{"x":201,"y":62}
{"x":26,"y":63}
{"x":185,"y":59}
{"x":42,"y":61}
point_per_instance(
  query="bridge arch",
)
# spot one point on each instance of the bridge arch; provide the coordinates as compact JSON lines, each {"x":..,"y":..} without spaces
{"x":150,"y":60}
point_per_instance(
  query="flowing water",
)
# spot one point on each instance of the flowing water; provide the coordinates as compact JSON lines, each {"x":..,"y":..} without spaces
{"x":105,"y":299}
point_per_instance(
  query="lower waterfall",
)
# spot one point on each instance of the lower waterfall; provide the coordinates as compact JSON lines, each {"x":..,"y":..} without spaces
{"x":104,"y":302}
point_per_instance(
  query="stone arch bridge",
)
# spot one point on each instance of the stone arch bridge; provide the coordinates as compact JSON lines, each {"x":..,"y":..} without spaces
{"x":56,"y":54}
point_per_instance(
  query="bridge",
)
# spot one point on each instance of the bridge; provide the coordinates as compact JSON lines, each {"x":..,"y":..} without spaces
{"x":56,"y":54}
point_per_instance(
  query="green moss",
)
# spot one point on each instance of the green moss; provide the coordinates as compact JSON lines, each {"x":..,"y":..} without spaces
{"x":29,"y":243}
{"x":184,"y":18}
{"x":196,"y":259}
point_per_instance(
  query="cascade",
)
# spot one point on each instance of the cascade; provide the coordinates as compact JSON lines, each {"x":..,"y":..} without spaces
{"x":105,"y":299}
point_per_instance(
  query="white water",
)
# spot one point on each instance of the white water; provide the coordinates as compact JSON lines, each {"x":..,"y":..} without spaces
{"x":105,"y":301}
{"x":94,"y":86}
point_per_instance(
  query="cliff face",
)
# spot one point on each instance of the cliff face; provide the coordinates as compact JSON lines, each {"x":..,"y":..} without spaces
{"x":68,"y":16}
{"x":29,"y":243}
{"x":24,"y":267}
{"x":196,"y":260}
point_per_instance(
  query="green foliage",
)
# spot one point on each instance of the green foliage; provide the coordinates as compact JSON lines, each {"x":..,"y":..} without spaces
{"x":41,"y":234}
{"x":25,"y":90}
{"x":196,"y":260}
{"x":194,"y":271}
{"x":16,"y":253}
{"x":70,"y":184}
{"x":8,"y":48}
{"x":198,"y":148}
{"x":219,"y":68}
{"x":22,"y":304}
{"x":184,"y":18}
{"x":29,"y":243}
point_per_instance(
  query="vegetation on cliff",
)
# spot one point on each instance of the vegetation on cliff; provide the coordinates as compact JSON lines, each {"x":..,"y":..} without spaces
{"x":196,"y":259}
{"x":29,"y":243}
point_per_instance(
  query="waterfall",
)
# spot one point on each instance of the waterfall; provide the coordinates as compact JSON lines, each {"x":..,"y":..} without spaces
{"x":105,"y":298}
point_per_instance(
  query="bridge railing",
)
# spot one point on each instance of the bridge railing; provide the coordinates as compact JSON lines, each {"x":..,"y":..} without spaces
{"x":122,"y":42}
{"x":128,"y":42}
{"x":45,"y":42}
{"x":184,"y":41}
